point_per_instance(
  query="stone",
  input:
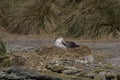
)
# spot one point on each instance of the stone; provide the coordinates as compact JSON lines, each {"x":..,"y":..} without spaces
{"x":56,"y":68}
{"x":26,"y":74}
{"x":23,"y":72}
{"x":89,"y":59}
{"x":100,"y":76}
{"x":2,"y":73}
{"x":71,"y":71}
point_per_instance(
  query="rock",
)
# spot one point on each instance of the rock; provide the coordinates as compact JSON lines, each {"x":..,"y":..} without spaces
{"x":2,"y":73}
{"x":21,"y":71}
{"x":100,"y":76}
{"x":86,"y":60}
{"x":81,"y":61}
{"x":90,"y":74}
{"x":71,"y":71}
{"x":26,"y":74}
{"x":56,"y":68}
{"x":62,"y":67}
{"x":12,"y":76}
{"x":89,"y":59}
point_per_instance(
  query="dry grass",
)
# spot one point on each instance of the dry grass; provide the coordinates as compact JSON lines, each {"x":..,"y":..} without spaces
{"x":93,"y":19}
{"x":87,"y":19}
{"x":32,"y":17}
{"x":2,"y":48}
{"x":101,"y":56}
{"x":40,"y":59}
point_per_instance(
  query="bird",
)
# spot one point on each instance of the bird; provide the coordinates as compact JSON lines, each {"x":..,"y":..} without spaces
{"x":61,"y":43}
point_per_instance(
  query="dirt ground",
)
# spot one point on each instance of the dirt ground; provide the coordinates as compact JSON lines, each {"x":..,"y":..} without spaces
{"x":30,"y":43}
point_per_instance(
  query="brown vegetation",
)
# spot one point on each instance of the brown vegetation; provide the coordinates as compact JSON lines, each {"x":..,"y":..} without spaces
{"x":91,"y":19}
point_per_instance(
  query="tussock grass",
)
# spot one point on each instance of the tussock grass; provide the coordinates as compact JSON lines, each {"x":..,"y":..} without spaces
{"x":93,"y":19}
{"x":87,"y":19}
{"x":5,"y":6}
{"x":3,"y":56}
{"x":2,"y":48}
{"x":32,"y":17}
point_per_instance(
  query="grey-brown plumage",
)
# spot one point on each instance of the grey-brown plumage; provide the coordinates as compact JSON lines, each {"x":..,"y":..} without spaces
{"x":69,"y":44}
{"x":61,"y":43}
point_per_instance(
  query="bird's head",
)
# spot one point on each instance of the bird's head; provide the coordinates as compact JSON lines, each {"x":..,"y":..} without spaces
{"x":60,"y":40}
